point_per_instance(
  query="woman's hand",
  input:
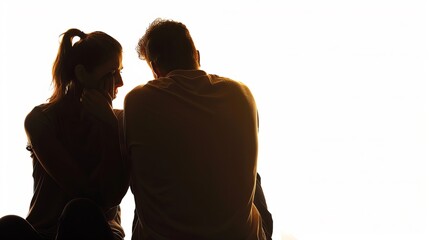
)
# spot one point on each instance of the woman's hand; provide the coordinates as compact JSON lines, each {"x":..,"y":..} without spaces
{"x":99,"y":105}
{"x":107,"y":86}
{"x":98,"y":100}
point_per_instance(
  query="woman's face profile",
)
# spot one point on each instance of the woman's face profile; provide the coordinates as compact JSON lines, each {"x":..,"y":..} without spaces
{"x":107,"y":77}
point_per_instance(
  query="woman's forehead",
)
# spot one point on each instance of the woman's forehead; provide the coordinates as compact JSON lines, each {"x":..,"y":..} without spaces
{"x":112,"y":64}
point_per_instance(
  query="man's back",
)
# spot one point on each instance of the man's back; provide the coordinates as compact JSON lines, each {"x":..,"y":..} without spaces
{"x":192,"y":140}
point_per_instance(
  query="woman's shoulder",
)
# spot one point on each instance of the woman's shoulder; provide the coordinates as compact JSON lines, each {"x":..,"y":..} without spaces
{"x":41,"y":110}
{"x":39,"y":115}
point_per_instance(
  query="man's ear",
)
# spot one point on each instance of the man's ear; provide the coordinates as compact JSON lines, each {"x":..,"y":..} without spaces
{"x":155,"y":70}
{"x":81,"y":73}
{"x":198,"y":58}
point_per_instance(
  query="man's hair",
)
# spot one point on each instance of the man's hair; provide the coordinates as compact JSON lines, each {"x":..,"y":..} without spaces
{"x":169,"y":45}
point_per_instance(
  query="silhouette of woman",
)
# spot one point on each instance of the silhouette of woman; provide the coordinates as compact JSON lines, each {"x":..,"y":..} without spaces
{"x":79,"y":170}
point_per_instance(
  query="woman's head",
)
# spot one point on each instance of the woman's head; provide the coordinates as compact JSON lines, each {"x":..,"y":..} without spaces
{"x":86,"y":61}
{"x":168,"y":46}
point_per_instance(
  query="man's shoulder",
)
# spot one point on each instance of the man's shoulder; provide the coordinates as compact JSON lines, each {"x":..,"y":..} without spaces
{"x":230,"y":84}
{"x":135,"y":91}
{"x":226,"y":80}
{"x":139,"y":94}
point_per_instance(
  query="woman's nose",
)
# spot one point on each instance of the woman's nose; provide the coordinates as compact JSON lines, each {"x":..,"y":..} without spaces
{"x":118,"y":80}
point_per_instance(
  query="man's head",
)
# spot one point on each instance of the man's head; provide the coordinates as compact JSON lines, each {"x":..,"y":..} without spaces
{"x":166,"y":46}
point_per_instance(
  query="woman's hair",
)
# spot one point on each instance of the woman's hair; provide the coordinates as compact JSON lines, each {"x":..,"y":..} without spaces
{"x":168,"y":44}
{"x":91,"y":50}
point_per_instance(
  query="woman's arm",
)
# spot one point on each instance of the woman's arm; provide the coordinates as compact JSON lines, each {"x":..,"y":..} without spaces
{"x":112,"y":174}
{"x":53,"y":157}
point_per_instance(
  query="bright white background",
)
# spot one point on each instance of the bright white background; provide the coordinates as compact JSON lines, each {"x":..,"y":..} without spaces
{"x":341,"y":87}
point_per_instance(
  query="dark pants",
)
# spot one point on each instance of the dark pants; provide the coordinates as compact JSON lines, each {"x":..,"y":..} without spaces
{"x":81,"y":219}
{"x":261,"y":205}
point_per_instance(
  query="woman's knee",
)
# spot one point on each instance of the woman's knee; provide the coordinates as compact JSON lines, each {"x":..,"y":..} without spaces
{"x":9,"y":221}
{"x":83,"y":219}
{"x":16,"y":227}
